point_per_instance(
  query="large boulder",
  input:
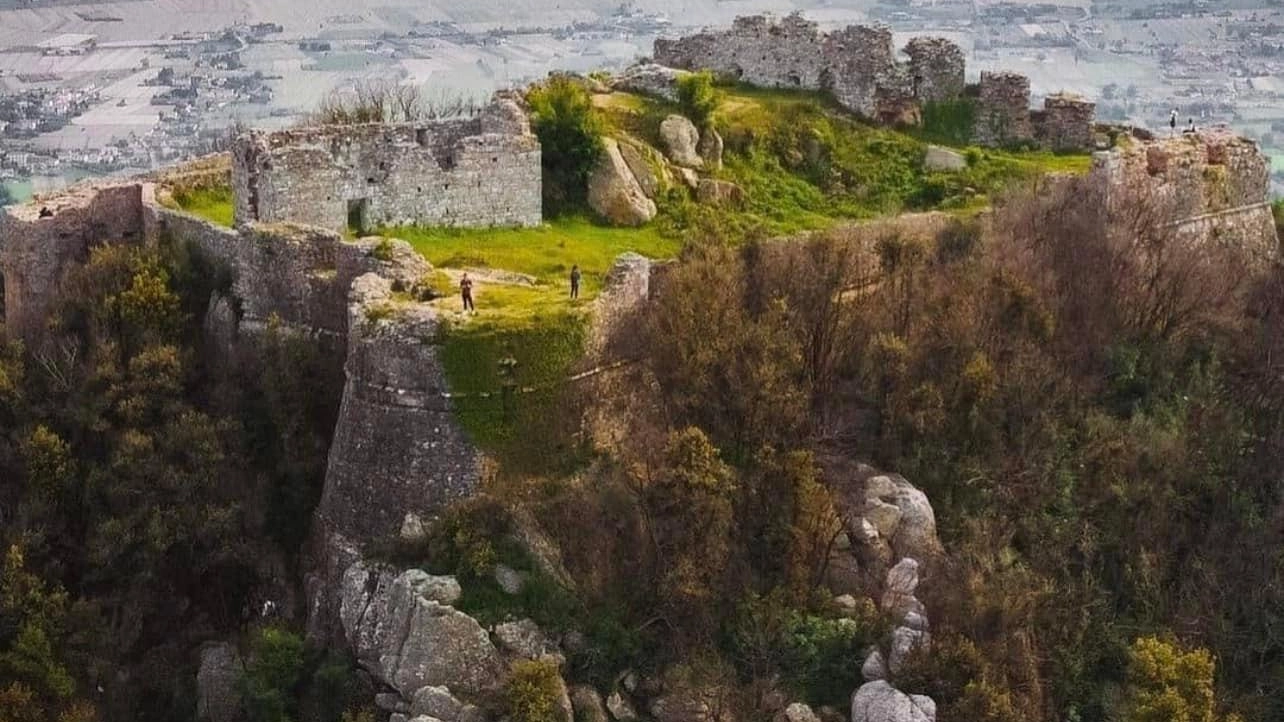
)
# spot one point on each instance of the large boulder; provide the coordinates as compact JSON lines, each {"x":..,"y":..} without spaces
{"x":614,"y":192}
{"x":649,"y":79}
{"x":898,"y":590}
{"x":944,"y":159}
{"x":681,"y":141}
{"x":411,"y":641}
{"x":525,"y":639}
{"x":879,"y":701}
{"x":914,"y":533}
{"x":710,"y":149}
{"x":906,"y":641}
{"x":217,"y":697}
{"x":643,"y":169}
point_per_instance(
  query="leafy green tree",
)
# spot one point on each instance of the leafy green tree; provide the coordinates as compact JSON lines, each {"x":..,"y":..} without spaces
{"x":570,"y":132}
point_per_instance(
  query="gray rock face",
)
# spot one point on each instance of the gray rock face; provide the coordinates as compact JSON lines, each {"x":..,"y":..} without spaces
{"x":898,"y":590}
{"x":649,"y":79}
{"x":636,"y":160}
{"x":587,"y":704}
{"x":410,"y":641}
{"x":881,"y":702}
{"x":710,"y":149}
{"x":905,"y":641}
{"x":914,"y":534}
{"x":691,"y":703}
{"x":218,"y":699}
{"x":524,"y":638}
{"x":943,"y":159}
{"x":412,"y":528}
{"x":614,"y":193}
{"x":681,"y":141}
{"x":436,"y":702}
{"x":874,"y":668}
{"x":796,"y":712}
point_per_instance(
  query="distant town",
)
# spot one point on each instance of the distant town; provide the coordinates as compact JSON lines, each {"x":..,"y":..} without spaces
{"x":91,"y":90}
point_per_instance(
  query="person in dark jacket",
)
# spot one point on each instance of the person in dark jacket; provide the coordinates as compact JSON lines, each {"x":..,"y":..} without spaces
{"x":466,"y":292}
{"x":575,"y":282}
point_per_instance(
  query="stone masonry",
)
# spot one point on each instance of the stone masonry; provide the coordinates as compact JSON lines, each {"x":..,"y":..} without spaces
{"x":1212,"y":186}
{"x":1003,"y":111}
{"x":480,"y":171}
{"x":936,"y":69}
{"x":859,"y":67}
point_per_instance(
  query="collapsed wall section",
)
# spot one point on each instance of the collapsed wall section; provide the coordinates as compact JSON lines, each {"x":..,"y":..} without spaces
{"x":475,"y":172}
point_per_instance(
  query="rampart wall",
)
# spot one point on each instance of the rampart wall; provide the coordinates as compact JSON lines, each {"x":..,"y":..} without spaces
{"x":1213,"y":186}
{"x":860,"y":67}
{"x":480,"y":171}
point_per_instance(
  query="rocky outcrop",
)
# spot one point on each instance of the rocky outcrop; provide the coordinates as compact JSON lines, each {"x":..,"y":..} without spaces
{"x":710,"y":149}
{"x":643,"y":169}
{"x":218,"y":696}
{"x":681,"y":141}
{"x":410,"y":640}
{"x":614,"y":192}
{"x":649,"y":79}
{"x":684,"y":701}
{"x":525,"y":639}
{"x":881,"y":702}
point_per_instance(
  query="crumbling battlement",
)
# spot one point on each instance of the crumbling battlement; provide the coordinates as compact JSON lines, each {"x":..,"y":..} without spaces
{"x":859,"y":67}
{"x":481,"y":171}
{"x":1212,"y":185}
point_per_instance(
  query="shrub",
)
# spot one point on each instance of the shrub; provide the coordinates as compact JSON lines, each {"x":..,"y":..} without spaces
{"x":269,"y":681}
{"x":949,"y":121}
{"x":698,"y":97}
{"x":570,"y":132}
{"x":534,"y":692}
{"x":1168,"y":684}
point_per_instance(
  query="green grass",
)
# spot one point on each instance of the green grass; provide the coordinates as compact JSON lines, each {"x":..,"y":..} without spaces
{"x":546,"y":252}
{"x":214,"y":204}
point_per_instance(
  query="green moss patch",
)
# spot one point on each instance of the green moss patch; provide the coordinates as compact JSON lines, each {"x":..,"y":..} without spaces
{"x":213,"y":203}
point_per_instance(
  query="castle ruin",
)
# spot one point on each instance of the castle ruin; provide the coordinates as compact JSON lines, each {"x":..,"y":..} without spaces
{"x":480,"y":171}
{"x":860,"y":68}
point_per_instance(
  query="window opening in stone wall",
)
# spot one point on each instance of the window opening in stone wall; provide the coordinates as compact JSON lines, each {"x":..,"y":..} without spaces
{"x":796,"y":79}
{"x":358,"y":213}
{"x":421,"y":136}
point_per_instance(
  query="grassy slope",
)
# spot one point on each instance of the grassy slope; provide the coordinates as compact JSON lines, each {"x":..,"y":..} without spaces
{"x":212,"y":204}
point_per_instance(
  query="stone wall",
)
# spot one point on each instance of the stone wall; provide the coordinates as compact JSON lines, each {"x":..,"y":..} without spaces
{"x":857,"y":64}
{"x":1213,"y":185}
{"x":1066,"y":123}
{"x":41,"y":241}
{"x":1003,"y":110}
{"x":936,"y":68}
{"x":396,"y":447}
{"x":482,"y":171}
{"x":859,"y":67}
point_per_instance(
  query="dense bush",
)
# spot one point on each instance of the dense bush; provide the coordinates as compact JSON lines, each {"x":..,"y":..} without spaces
{"x":534,"y":692}
{"x":570,"y":132}
{"x":699,"y":98}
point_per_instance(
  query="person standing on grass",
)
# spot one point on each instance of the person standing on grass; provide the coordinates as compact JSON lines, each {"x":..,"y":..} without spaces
{"x":575,"y":282}
{"x":466,"y":292}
